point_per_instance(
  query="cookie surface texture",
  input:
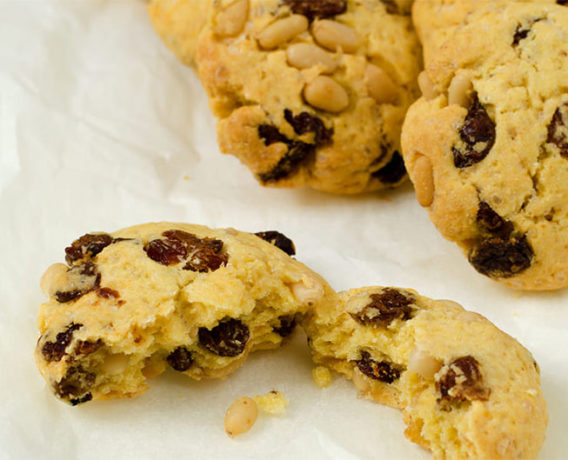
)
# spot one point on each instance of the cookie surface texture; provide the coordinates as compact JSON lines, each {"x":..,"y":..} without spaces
{"x":487,"y":145}
{"x":312,"y":93}
{"x":132,"y":303}
{"x":466,"y":388}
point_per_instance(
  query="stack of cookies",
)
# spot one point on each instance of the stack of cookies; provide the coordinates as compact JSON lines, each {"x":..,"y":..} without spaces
{"x":469,"y":97}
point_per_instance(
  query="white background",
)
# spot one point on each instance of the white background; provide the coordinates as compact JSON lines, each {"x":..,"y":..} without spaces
{"x":101,"y":128}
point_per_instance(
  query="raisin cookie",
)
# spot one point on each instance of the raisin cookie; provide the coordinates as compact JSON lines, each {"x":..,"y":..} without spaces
{"x":178,"y":23}
{"x":467,"y":389}
{"x":132,"y":303}
{"x":487,"y":145}
{"x":312,"y":92}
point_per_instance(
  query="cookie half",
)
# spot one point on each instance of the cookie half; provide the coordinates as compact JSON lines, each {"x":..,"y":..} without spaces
{"x":466,"y":388}
{"x":487,"y":145}
{"x":132,"y":303}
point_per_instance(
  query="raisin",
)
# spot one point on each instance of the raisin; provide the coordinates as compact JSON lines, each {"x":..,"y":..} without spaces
{"x":228,"y":338}
{"x":492,"y":223}
{"x":86,"y":348}
{"x":85,"y":276}
{"x":502,"y":258}
{"x":180,"y":359}
{"x":54,"y":351}
{"x":317,"y":8}
{"x":308,"y":123}
{"x":81,"y":400}
{"x":202,"y":254}
{"x":87,"y":246}
{"x":271,"y":135}
{"x":286,"y":327}
{"x":279,"y":240}
{"x":558,"y":130}
{"x":520,"y":34}
{"x":459,"y":381}
{"x":477,"y":134}
{"x":108,"y":293}
{"x":166,"y":252}
{"x":75,"y":384}
{"x":298,"y":153}
{"x":393,"y":171}
{"x":562,"y":2}
{"x":385,"y":308}
{"x":378,"y":370}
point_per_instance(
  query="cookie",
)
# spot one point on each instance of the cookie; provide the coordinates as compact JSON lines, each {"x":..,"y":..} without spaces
{"x":178,"y":23}
{"x":312,"y":93}
{"x":487,"y":145}
{"x":466,"y":388}
{"x":132,"y":303}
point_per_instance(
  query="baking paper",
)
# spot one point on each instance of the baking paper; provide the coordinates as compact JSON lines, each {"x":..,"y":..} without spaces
{"x":101,"y":128}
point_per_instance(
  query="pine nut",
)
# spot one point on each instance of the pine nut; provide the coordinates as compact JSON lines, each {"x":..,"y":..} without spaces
{"x":427,"y":86}
{"x":240,"y":416}
{"x":282,"y":30}
{"x":459,"y":91}
{"x":423,"y":179}
{"x":231,"y":21}
{"x":307,"y":291}
{"x":306,"y":55}
{"x":333,"y":35}
{"x":380,"y":86}
{"x":423,"y":364}
{"x":326,"y":94}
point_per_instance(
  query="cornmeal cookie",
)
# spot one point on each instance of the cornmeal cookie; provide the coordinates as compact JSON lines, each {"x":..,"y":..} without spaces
{"x":487,"y":145}
{"x":130,"y":304}
{"x":178,"y":23}
{"x":312,"y":92}
{"x":467,"y":389}
{"x":436,"y":20}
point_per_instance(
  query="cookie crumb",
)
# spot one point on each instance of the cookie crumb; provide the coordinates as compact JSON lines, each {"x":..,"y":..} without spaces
{"x":273,"y":403}
{"x":322,"y":376}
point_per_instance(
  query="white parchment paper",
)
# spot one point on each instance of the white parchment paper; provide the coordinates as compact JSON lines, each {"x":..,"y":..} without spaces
{"x":101,"y":128}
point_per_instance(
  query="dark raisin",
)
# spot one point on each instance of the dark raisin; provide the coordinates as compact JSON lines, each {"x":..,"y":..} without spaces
{"x":477,"y":134}
{"x":271,"y":135}
{"x":87,"y":246}
{"x":308,"y":123}
{"x":378,"y":370}
{"x":108,"y":293}
{"x":54,"y":351}
{"x":520,"y":34}
{"x":558,"y":130}
{"x":279,"y":240}
{"x":85,"y":276}
{"x":75,"y":384}
{"x":81,"y":400}
{"x":286,"y":327}
{"x":385,"y":308}
{"x":180,"y":359}
{"x":562,"y":2}
{"x":459,"y":381}
{"x":317,"y":8}
{"x":393,"y":171}
{"x":204,"y":254}
{"x":86,"y":348}
{"x":492,"y":223}
{"x":298,"y":153}
{"x":166,"y":252}
{"x":228,"y":338}
{"x":501,"y":258}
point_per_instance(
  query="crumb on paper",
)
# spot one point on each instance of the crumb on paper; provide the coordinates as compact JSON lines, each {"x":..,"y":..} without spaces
{"x":322,"y":376}
{"x":185,"y":177}
{"x":274,"y":402}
